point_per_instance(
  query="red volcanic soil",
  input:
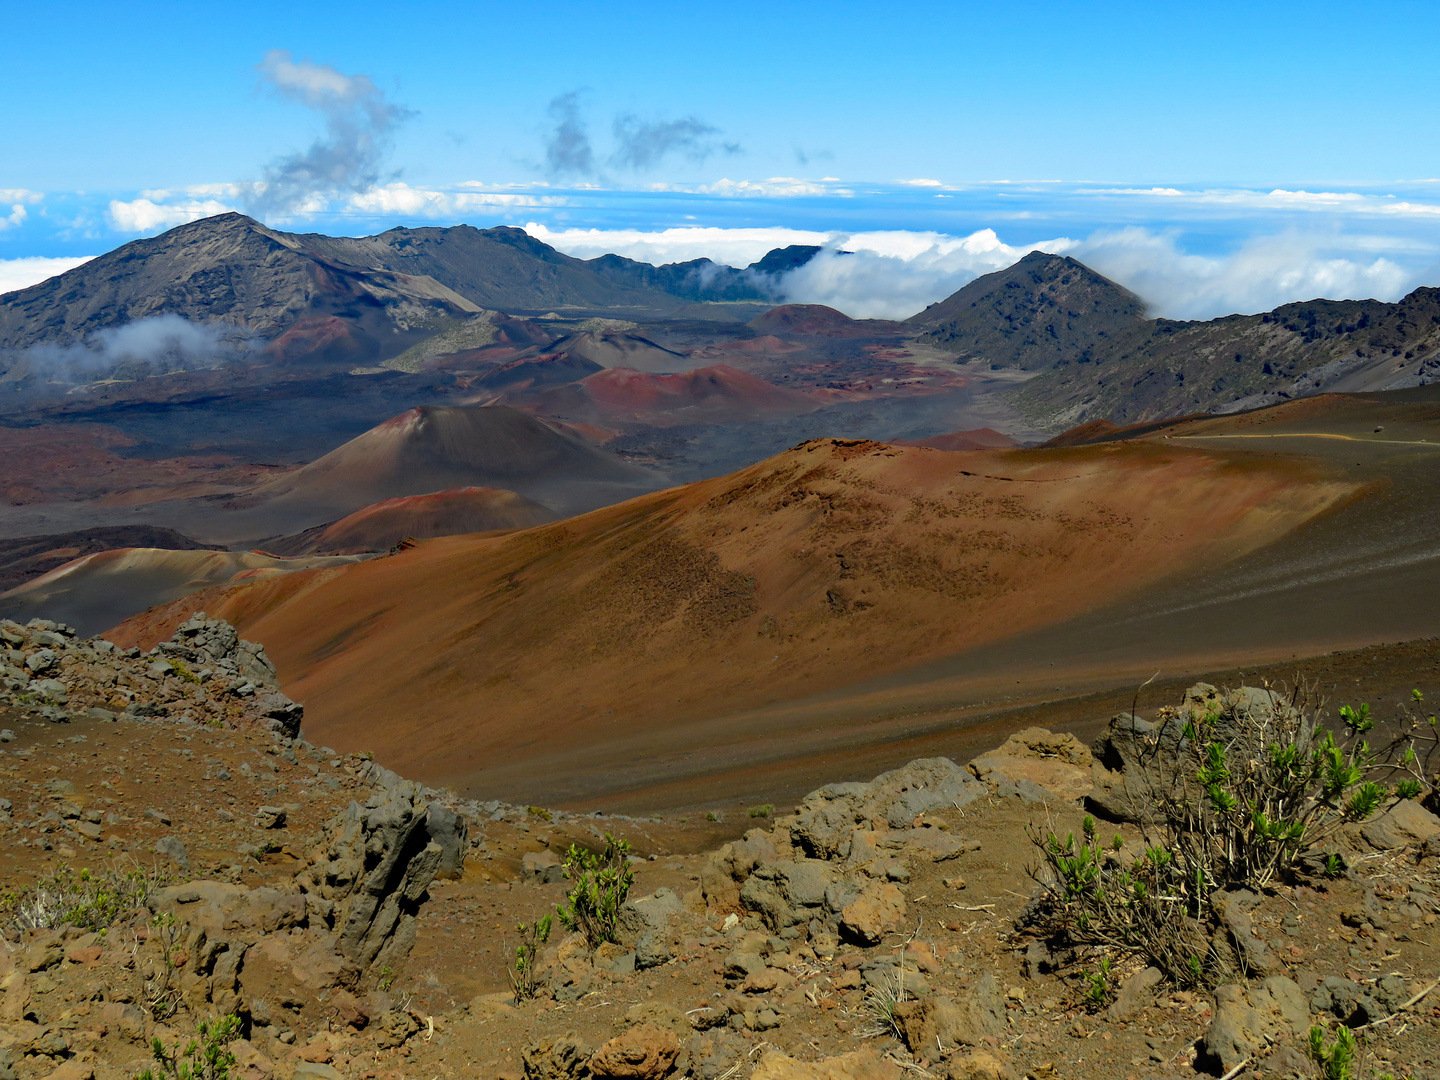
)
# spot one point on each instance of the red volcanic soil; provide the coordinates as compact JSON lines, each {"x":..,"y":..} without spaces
{"x":565,"y":654}
{"x":442,"y":513}
{"x":976,"y":439}
{"x":74,"y":462}
{"x":712,"y":395}
{"x":815,"y":319}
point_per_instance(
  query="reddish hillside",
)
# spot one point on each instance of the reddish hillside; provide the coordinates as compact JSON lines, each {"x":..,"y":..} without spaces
{"x":814,"y":319}
{"x":442,"y":513}
{"x":637,"y":630}
{"x":712,"y":395}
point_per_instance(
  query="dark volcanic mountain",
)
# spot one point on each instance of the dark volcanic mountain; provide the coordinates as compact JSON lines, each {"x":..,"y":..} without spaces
{"x":234,"y":271}
{"x":1097,"y":355}
{"x":1030,"y":314}
{"x":702,"y":279}
{"x":27,"y":557}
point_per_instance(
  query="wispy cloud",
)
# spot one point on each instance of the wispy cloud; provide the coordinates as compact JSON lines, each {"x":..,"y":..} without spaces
{"x":639,"y":145}
{"x":360,"y":125}
{"x":159,"y":343}
{"x":567,"y":150}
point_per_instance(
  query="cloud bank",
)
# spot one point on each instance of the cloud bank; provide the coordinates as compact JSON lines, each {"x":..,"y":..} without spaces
{"x":360,"y":126}
{"x":153,"y":345}
{"x":894,"y":274}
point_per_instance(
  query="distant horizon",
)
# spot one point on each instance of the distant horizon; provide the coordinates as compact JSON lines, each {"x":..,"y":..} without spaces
{"x":1188,"y":253}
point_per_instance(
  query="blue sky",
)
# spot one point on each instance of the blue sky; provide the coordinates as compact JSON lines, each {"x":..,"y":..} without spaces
{"x":1217,"y":132}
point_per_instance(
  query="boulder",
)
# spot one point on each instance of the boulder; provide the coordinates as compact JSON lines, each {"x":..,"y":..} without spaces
{"x":1405,"y":823}
{"x":866,"y":1064}
{"x":1246,"y":1021}
{"x":557,"y":1057}
{"x":1058,"y":764}
{"x":828,"y":816}
{"x":976,"y":1014}
{"x":1136,"y":992}
{"x":644,"y":924}
{"x":877,"y":911}
{"x":645,"y":1052}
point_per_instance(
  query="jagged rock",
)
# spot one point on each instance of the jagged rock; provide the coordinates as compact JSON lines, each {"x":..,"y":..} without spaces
{"x":863,"y":1064}
{"x":1405,"y":823}
{"x":374,"y":871}
{"x":1234,"y":910}
{"x":1058,"y":764}
{"x":791,"y":893}
{"x":1247,"y":1020}
{"x":644,"y":925}
{"x":544,"y":867}
{"x":828,"y":816}
{"x":645,"y":1052}
{"x":562,"y":1057}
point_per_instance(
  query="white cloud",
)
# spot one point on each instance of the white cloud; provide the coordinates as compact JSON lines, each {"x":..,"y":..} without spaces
{"x":892,"y":275}
{"x":731,"y":247}
{"x":16,"y":198}
{"x":776,"y":186}
{"x":922,"y":183}
{"x":146,"y":215}
{"x":31,"y":270}
{"x":1262,"y":274}
{"x":401,"y":198}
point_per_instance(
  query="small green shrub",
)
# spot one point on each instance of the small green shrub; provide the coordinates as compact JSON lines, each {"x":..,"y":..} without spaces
{"x":764,"y":810}
{"x":1099,"y":987}
{"x":1336,"y":1059}
{"x":601,"y":882}
{"x":540,"y":812}
{"x":207,"y":1056}
{"x":525,"y":971}
{"x":712,"y":816}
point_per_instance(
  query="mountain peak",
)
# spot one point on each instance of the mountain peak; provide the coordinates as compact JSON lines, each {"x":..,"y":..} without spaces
{"x":1042,"y":309}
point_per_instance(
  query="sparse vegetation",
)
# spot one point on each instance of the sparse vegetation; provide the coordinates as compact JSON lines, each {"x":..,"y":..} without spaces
{"x":1099,"y":987}
{"x":712,"y":816}
{"x":539,"y":812}
{"x":764,"y":810}
{"x":525,"y":971}
{"x":601,"y":882}
{"x":1232,"y":795}
{"x":88,"y":899}
{"x":182,"y":670}
{"x":877,"y":1009}
{"x":162,"y":992}
{"x":207,"y":1056}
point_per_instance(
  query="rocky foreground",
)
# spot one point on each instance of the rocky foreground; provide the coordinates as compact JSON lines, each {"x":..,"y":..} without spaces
{"x":359,"y":925}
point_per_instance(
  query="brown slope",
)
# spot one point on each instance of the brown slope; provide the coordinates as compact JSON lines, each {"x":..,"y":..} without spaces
{"x":516,"y":660}
{"x":27,"y":557}
{"x":380,"y":527}
{"x":431,"y":448}
{"x":95,"y":591}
